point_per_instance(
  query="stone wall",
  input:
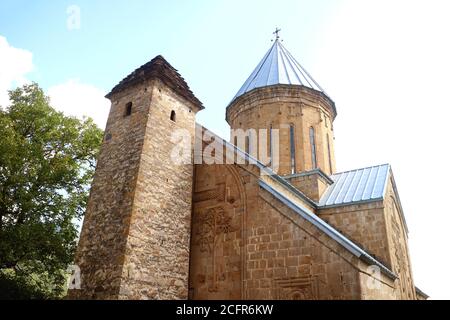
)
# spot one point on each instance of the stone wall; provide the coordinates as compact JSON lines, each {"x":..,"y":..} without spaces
{"x":311,"y":183}
{"x":101,"y":249}
{"x":380,"y":229}
{"x":217,"y":251}
{"x":246,"y":244}
{"x":364,"y":224}
{"x":156,"y":264}
{"x":281,"y":106}
{"x":398,"y":243}
{"x":377,"y":287}
{"x":135,"y":239}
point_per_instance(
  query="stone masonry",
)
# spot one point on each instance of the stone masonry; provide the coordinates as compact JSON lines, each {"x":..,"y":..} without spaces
{"x":156,"y":228}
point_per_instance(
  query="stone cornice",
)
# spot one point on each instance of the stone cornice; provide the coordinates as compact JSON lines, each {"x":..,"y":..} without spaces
{"x":296,"y":93}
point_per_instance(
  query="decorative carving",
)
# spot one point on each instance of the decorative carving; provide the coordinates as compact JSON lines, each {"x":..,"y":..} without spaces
{"x":217,"y":193}
{"x":217,"y":259}
{"x":212,"y":225}
{"x":296,"y":289}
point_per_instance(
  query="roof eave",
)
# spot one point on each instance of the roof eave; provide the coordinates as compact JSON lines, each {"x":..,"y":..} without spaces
{"x":158,"y":68}
{"x":324,"y":96}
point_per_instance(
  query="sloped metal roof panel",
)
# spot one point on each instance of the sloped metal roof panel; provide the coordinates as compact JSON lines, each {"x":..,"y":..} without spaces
{"x":328,"y":229}
{"x":278,"y":66}
{"x":357,"y":185}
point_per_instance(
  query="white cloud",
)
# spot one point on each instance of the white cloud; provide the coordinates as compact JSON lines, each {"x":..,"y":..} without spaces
{"x":14,"y":65}
{"x":386,"y":66}
{"x":79,"y":99}
{"x":72,"y":97}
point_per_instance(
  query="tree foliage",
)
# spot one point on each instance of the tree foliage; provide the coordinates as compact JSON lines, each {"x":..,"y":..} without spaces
{"x":47,"y":162}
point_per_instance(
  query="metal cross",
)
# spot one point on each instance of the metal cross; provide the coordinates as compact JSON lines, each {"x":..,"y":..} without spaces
{"x":276,"y":33}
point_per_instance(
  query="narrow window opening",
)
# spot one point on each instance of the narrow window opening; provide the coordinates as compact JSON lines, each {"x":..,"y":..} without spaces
{"x":270,"y":145}
{"x":329,"y":154}
{"x":173,"y":116}
{"x":292,"y":142}
{"x":247,"y":144}
{"x":312,"y":140}
{"x":128,"y":109}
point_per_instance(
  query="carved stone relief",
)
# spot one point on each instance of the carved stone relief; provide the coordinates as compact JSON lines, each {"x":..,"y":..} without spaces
{"x":216,"y":236}
{"x":296,"y":289}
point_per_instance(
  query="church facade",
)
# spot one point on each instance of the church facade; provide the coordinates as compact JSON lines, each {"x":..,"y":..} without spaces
{"x":225,"y":224}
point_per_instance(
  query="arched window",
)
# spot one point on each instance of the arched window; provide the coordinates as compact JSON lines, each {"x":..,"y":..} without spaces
{"x":128,"y":109}
{"x":329,"y":154}
{"x":312,"y":141}
{"x":270,"y":144}
{"x":247,"y":144}
{"x":173,"y":116}
{"x":292,"y":143}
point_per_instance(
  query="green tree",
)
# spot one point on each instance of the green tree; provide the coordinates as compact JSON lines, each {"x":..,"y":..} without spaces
{"x":47,"y":162}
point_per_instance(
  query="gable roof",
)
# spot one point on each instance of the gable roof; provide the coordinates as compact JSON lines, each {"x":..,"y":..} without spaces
{"x":278,"y":66}
{"x":357,"y":186}
{"x":159,"y":68}
{"x":328,"y":229}
{"x":300,"y":209}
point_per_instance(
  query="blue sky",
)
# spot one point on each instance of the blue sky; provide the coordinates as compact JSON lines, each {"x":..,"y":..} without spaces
{"x":384,"y":63}
{"x":214,"y":44}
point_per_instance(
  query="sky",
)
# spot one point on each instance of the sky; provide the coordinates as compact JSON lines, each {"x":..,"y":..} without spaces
{"x":384,"y":63}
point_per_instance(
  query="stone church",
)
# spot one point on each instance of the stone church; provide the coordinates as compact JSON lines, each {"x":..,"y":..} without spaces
{"x":158,"y":229}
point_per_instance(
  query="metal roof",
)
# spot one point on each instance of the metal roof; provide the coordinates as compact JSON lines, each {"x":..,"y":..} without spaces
{"x":327,"y":229}
{"x":359,"y":185}
{"x":303,"y":211}
{"x":278,"y":66}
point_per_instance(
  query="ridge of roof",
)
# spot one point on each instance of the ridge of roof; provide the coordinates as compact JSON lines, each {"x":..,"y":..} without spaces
{"x":368,"y":167}
{"x":317,"y":171}
{"x":304,"y":212}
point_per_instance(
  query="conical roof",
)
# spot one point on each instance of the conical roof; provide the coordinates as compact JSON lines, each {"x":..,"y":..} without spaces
{"x":278,"y":66}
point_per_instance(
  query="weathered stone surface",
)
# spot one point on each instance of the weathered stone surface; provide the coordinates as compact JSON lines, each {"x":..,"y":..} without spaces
{"x":280,"y":106}
{"x":274,"y":252}
{"x":155,"y":229}
{"x":312,"y":183}
{"x":136,"y":233}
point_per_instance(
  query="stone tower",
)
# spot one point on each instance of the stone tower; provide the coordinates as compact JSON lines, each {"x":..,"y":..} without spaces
{"x":159,"y":229}
{"x":136,"y":233}
{"x":280,"y":94}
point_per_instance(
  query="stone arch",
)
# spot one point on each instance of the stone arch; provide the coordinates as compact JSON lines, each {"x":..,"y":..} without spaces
{"x":217,"y":236}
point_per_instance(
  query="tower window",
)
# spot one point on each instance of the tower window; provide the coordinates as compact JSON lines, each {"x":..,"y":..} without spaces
{"x":312,"y":141}
{"x":128,"y":109}
{"x":329,"y":154}
{"x":292,"y":142}
{"x":247,"y":144}
{"x":173,"y":116}
{"x":270,"y":144}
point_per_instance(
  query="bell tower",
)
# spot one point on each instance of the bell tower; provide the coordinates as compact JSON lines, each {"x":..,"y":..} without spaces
{"x":281,"y":95}
{"x":135,"y":240}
